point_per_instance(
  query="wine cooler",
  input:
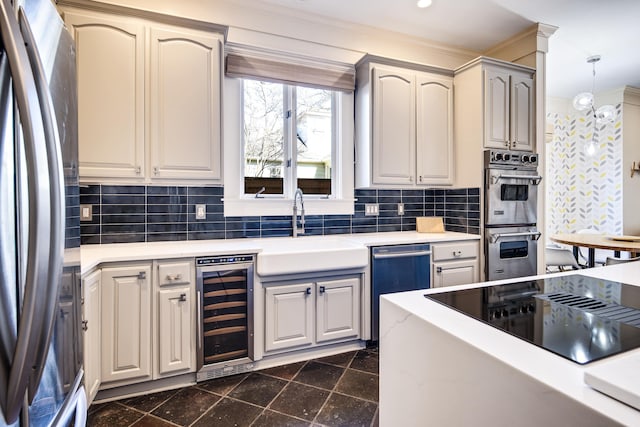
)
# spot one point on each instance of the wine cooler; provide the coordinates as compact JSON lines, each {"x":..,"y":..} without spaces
{"x":225,"y":315}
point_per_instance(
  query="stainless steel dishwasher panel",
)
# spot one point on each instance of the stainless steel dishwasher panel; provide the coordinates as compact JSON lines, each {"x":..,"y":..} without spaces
{"x":397,"y":268}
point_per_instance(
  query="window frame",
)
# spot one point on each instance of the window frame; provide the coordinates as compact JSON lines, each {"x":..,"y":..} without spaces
{"x":236,"y":203}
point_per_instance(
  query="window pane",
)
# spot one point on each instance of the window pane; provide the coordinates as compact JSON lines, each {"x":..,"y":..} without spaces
{"x":263,"y":137}
{"x":314,"y":140}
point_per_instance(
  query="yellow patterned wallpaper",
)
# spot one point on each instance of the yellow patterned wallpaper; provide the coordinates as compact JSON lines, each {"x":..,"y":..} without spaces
{"x":583,"y":190}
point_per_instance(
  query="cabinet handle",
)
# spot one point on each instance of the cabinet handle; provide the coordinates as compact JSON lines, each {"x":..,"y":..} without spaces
{"x":183,"y":297}
{"x":172,"y":277}
{"x":457,"y":253}
{"x":322,"y":290}
{"x":140,"y":276}
{"x":308,"y":291}
{"x":138,"y":170}
{"x":438,"y":270}
{"x":155,"y":170}
{"x":420,"y":178}
{"x":85,"y":325}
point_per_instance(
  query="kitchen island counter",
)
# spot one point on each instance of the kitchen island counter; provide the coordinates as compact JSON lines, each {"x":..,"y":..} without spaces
{"x":441,"y":367}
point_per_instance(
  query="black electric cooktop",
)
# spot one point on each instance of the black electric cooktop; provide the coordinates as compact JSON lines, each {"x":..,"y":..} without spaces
{"x":577,"y":317}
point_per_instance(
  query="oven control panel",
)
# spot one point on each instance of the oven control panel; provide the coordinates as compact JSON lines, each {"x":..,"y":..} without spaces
{"x":510,"y":158}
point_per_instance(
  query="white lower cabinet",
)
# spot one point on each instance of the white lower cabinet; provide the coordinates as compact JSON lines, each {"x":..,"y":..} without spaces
{"x":175,"y":312}
{"x":92,"y":333}
{"x":455,"y":263}
{"x":140,"y":326}
{"x":126,"y":322}
{"x":338,"y":309}
{"x":289,"y":316}
{"x":312,"y":312}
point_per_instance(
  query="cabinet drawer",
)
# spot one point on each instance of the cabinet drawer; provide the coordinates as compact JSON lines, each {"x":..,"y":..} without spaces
{"x":454,"y":250}
{"x":175,"y":273}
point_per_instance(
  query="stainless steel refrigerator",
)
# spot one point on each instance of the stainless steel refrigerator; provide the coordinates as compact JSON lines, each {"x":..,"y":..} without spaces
{"x":40,"y":314}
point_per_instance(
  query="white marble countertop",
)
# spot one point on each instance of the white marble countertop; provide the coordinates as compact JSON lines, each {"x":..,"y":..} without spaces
{"x":94,"y":255}
{"x":561,"y":375}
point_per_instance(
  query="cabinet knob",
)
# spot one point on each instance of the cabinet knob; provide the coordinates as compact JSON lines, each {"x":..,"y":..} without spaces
{"x":183,"y":297}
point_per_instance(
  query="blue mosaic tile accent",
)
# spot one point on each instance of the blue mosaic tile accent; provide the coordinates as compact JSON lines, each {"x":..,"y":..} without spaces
{"x":136,"y":213}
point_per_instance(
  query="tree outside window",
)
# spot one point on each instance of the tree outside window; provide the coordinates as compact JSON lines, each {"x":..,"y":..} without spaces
{"x":279,"y":156}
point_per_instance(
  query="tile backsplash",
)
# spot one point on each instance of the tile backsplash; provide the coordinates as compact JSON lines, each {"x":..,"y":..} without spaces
{"x":138,"y":213}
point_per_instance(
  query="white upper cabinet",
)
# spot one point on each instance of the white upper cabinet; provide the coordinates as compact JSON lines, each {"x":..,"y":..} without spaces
{"x":404,"y":127}
{"x":394,"y":132}
{"x":509,"y":110}
{"x":522,"y":112}
{"x":149,"y":100}
{"x":110,"y":67}
{"x":185,"y":105}
{"x":494,"y":107}
{"x":434,"y":130}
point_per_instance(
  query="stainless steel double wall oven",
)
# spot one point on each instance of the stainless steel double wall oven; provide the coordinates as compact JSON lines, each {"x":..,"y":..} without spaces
{"x":511,"y":204}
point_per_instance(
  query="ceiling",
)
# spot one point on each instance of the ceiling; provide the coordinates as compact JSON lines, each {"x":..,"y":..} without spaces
{"x":585,"y":27}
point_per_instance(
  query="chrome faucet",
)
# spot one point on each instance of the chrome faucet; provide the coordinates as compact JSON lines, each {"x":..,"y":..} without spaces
{"x":294,"y":219}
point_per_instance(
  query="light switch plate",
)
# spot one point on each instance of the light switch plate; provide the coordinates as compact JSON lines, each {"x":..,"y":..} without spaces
{"x":400,"y":208}
{"x":370,"y":209}
{"x":201,"y":211}
{"x":86,"y":212}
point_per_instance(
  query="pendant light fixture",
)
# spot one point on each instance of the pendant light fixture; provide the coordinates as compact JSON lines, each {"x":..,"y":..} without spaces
{"x":585,"y":100}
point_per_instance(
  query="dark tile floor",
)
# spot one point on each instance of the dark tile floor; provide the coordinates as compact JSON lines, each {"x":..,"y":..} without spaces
{"x":340,"y":390}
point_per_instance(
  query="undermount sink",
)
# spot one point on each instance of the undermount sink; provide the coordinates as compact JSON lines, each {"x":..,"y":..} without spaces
{"x":289,"y":255}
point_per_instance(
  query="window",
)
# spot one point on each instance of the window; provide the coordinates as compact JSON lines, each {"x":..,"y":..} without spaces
{"x":288,"y":124}
{"x":288,"y":139}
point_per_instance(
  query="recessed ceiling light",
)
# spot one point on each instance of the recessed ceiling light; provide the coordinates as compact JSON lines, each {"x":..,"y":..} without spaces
{"x":424,"y":3}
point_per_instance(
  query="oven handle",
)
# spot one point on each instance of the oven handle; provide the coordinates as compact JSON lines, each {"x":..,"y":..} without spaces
{"x":401,"y":254}
{"x":495,"y":237}
{"x":535,"y":179}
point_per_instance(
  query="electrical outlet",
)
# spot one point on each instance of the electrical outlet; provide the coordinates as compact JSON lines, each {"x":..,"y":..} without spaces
{"x":86,"y":212}
{"x":370,"y":209}
{"x":201,"y":211}
{"x":400,"y":208}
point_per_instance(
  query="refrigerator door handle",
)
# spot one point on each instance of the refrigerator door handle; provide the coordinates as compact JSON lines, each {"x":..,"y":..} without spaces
{"x":74,"y":405}
{"x":39,"y":228}
{"x":56,"y":185}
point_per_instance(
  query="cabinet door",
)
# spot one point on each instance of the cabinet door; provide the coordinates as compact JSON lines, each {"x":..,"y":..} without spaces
{"x":338,"y":309}
{"x":126,"y":323}
{"x":455,"y":273}
{"x":522,"y":113}
{"x":110,"y":67}
{"x":496,"y":120}
{"x":174,"y":330}
{"x":92,"y":334}
{"x":434,"y":133}
{"x":289,"y":316}
{"x":393,"y":126}
{"x":185,"y":105}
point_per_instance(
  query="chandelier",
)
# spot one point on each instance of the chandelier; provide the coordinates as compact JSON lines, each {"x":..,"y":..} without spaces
{"x":585,"y":100}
